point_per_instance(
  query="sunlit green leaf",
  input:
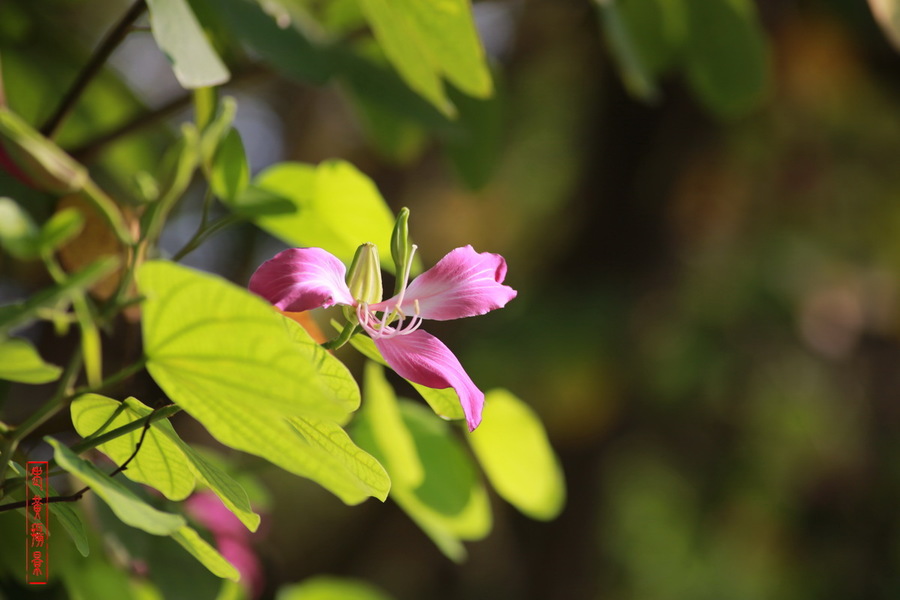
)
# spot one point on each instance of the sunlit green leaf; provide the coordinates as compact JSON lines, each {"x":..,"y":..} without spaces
{"x":159,"y":463}
{"x":180,"y":462}
{"x":332,"y":373}
{"x":391,"y":435}
{"x":180,"y":36}
{"x":20,"y":361}
{"x":336,"y":207}
{"x":219,"y":482}
{"x":128,"y":507}
{"x":241,"y":369}
{"x":513,"y":449}
{"x":331,"y":588}
{"x":219,"y":351}
{"x":451,"y":503}
{"x":334,"y":460}
{"x":428,"y":40}
{"x":208,"y":556}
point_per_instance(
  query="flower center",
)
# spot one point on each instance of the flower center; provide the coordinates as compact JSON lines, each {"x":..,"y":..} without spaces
{"x":391,"y":322}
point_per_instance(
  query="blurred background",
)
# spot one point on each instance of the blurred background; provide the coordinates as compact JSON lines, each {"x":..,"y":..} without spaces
{"x":708,"y":265}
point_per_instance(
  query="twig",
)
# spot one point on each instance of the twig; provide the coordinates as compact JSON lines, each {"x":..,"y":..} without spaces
{"x":96,"y":62}
{"x":90,"y":149}
{"x":77,"y":495}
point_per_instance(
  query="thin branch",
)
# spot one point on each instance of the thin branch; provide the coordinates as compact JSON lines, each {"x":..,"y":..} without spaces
{"x":46,"y":411}
{"x":86,"y":152}
{"x":77,"y":495}
{"x":96,"y":62}
{"x":89,"y":150}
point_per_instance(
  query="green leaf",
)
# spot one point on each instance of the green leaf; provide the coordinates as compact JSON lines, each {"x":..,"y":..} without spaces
{"x":14,"y":315}
{"x":444,"y":402}
{"x":180,"y":36}
{"x":513,"y":449}
{"x":60,"y":228}
{"x":230,"y":172}
{"x":217,"y":350}
{"x":325,"y":587}
{"x":285,"y":48}
{"x":451,"y":503}
{"x":335,"y":462}
{"x":159,"y":463}
{"x":255,"y":381}
{"x":20,"y":361}
{"x":18,"y":233}
{"x":91,"y":409}
{"x":213,"y":134}
{"x":426,"y":40}
{"x":391,"y":435}
{"x":727,"y":56}
{"x":475,"y":145}
{"x":335,"y":207}
{"x":208,"y":556}
{"x":126,"y":506}
{"x":62,"y":513}
{"x":332,"y":373}
{"x":638,"y":77}
{"x":221,"y":483}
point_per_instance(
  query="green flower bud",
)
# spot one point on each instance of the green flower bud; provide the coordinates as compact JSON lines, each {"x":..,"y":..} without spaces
{"x":401,"y":248}
{"x":364,"y":277}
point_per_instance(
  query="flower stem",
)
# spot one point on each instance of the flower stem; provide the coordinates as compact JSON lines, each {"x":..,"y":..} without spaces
{"x":54,"y":405}
{"x":96,"y":62}
{"x":343,"y":338}
{"x":205,"y":232}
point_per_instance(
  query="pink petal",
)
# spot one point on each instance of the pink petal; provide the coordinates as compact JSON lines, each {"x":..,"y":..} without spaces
{"x":241,"y":555}
{"x":464,"y":283}
{"x":301,"y":279}
{"x":206,"y":508}
{"x":422,"y":358}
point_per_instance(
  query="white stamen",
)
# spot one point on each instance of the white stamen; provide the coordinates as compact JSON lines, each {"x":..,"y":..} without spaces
{"x":381,"y":328}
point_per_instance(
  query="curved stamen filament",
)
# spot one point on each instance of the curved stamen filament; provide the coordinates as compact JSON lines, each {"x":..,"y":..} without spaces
{"x":380,"y":327}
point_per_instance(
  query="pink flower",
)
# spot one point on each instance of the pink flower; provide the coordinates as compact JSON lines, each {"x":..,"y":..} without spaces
{"x":232,"y":538}
{"x":464,"y":283}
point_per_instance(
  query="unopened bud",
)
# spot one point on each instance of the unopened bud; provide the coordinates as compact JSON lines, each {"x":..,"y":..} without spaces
{"x":364,"y":277}
{"x":401,"y":248}
{"x":35,"y":160}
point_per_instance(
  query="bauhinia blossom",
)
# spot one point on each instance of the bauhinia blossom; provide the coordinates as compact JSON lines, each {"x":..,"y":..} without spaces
{"x":464,"y":283}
